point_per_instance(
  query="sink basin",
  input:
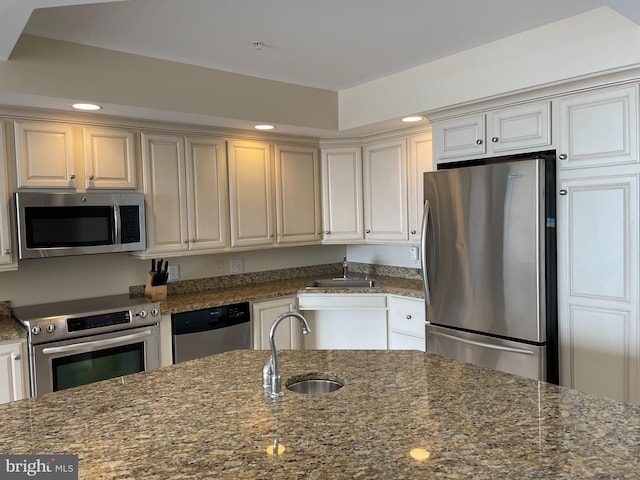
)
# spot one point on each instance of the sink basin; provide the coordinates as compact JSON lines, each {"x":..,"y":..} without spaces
{"x":343,"y":283}
{"x":314,"y":383}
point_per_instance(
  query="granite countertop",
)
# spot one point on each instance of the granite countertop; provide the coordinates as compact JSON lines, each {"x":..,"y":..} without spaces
{"x":184,"y":301}
{"x":9,"y":328}
{"x":210,"y":418}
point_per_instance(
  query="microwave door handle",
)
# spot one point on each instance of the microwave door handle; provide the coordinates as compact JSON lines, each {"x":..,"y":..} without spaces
{"x":96,"y":344}
{"x":116,"y":227}
{"x":426,"y":218}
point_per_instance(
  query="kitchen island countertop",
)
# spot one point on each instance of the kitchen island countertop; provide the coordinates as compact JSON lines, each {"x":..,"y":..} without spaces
{"x":210,"y":418}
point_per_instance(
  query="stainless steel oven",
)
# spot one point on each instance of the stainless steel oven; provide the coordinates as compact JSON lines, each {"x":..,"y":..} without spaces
{"x":83,"y":341}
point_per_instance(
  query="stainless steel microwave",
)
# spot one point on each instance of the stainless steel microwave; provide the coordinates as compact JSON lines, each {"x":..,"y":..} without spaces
{"x":60,"y":224}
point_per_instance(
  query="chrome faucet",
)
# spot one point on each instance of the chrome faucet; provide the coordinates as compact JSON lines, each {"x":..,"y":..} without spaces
{"x":270,"y":376}
{"x":345,"y":268}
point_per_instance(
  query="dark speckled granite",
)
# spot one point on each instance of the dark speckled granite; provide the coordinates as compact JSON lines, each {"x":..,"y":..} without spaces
{"x":9,"y":329}
{"x":209,"y":418}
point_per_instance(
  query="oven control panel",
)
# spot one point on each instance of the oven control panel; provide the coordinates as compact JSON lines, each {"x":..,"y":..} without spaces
{"x":60,"y":325}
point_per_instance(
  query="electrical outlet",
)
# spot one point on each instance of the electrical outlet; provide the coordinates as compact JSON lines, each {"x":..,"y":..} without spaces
{"x":174,"y":272}
{"x":415,"y":254}
{"x":218,"y":267}
{"x":236,"y":265}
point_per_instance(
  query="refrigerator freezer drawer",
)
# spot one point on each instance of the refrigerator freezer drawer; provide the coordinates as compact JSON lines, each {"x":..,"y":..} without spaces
{"x":504,"y":355}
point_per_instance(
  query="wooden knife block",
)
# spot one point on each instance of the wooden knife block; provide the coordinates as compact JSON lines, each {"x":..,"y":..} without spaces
{"x":155,"y":293}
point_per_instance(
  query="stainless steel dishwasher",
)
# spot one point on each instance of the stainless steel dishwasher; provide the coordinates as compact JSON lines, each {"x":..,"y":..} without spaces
{"x":208,"y":331}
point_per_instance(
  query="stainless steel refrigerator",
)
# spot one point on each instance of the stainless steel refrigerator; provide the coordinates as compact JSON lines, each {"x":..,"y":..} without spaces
{"x":489,"y":264}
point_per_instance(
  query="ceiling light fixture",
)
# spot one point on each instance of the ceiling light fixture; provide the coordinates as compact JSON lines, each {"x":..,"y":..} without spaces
{"x":264,"y":127}
{"x":413,"y":118}
{"x":86,"y":106}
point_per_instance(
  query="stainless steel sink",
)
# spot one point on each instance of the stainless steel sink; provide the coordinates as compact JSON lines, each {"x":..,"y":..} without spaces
{"x":344,"y":283}
{"x":314,"y":383}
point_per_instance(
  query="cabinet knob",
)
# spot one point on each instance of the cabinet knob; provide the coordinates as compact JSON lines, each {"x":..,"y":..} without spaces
{"x":413,"y":232}
{"x":193,"y":240}
{"x":408,"y":317}
{"x":495,"y":139}
{"x":368,"y":231}
{"x":562,"y":156}
{"x":327,"y":232}
{"x":15,"y":356}
{"x":72,"y":176}
{"x":7,"y":251}
{"x":479,"y":141}
{"x":91,"y":177}
{"x":563,"y":191}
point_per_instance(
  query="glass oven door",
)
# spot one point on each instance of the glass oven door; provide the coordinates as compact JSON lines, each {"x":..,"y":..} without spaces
{"x":79,"y":361}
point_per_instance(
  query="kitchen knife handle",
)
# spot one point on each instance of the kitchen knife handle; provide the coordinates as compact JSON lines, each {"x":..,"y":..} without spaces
{"x":426,"y":218}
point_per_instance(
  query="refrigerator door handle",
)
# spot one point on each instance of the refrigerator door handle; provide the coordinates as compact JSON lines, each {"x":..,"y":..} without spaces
{"x":483,"y":345}
{"x":426,"y":217}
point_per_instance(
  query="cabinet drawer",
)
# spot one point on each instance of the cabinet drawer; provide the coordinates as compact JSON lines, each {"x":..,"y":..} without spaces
{"x":340,"y":301}
{"x":407,"y":316}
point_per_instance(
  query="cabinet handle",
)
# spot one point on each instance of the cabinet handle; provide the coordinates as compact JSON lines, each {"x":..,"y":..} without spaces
{"x":91,"y":177}
{"x":479,"y":141}
{"x":562,"y":156}
{"x":72,"y":176}
{"x":563,"y":191}
{"x":15,"y":356}
{"x":495,"y":139}
{"x":408,"y":317}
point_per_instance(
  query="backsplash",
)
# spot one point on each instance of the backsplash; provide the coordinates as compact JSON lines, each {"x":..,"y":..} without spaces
{"x":314,"y":271}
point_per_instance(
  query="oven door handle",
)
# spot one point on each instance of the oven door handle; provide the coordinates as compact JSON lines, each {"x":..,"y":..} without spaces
{"x":94,"y":345}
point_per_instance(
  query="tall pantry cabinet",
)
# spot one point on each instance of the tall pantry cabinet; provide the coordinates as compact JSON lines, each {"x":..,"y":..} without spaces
{"x":598,"y":240}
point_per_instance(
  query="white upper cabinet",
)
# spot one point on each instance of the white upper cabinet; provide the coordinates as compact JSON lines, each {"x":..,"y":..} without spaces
{"x":521,"y":128}
{"x":8,"y":261}
{"x":251,"y":193}
{"x":45,"y":155}
{"x":599,"y":128}
{"x":420,"y":160}
{"x":186,"y":194}
{"x":297,"y":175}
{"x":109,"y":158}
{"x":385,"y":192}
{"x":342,"y":194}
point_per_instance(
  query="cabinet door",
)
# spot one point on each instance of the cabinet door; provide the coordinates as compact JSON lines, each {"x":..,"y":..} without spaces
{"x":342,"y":194}
{"x":385,"y":192}
{"x":288,"y":333}
{"x":297,"y":194}
{"x":13,"y":384}
{"x":250,"y":193}
{"x":208,"y":204}
{"x":165,"y":193}
{"x":7,"y":259}
{"x":109,"y":158}
{"x":44,"y":155}
{"x":599,"y":129}
{"x":459,"y":137}
{"x":420,"y":160}
{"x":520,"y":128}
{"x":598,"y":286}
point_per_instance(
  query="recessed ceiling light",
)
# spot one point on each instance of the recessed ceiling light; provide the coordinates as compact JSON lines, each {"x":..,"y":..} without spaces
{"x":413,"y":118}
{"x":264,"y":127}
{"x":86,"y":106}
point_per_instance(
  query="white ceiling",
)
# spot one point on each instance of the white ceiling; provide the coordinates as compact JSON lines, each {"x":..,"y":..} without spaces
{"x":329,"y":44}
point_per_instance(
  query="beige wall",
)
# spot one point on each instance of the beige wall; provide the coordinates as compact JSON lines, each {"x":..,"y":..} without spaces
{"x":56,"y":69}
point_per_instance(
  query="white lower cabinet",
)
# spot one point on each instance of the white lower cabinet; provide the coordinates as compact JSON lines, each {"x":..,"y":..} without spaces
{"x":13,"y":371}
{"x":599,"y":333}
{"x":289,"y":331}
{"x":345,"y":321}
{"x":406,"y":323}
